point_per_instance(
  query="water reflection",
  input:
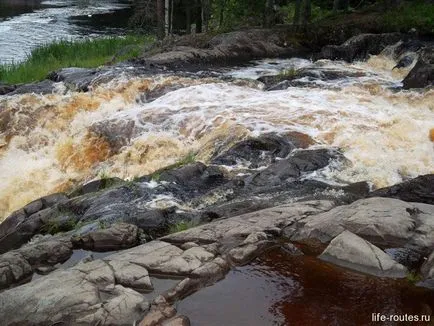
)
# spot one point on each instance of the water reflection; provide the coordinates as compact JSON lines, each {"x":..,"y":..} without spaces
{"x":278,"y":289}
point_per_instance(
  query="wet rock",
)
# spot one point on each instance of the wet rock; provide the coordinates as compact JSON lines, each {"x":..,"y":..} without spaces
{"x":118,"y":236}
{"x":158,"y":314}
{"x":5,"y":89}
{"x":91,"y":298}
{"x":42,"y":87}
{"x":408,"y":257}
{"x":22,"y":224}
{"x":14,"y":268}
{"x":76,"y":79}
{"x":131,"y":275}
{"x":178,"y":321}
{"x":240,"y":227}
{"x":427,"y":271}
{"x":95,"y":186}
{"x":350,"y":251}
{"x":422,"y":74}
{"x":17,"y":266}
{"x":420,"y":189}
{"x":256,"y":152}
{"x":359,"y":47}
{"x":117,"y":133}
{"x":227,"y":47}
{"x":291,"y":168}
{"x":47,"y":251}
{"x":292,"y":250}
{"x":243,"y":254}
{"x":384,"y":222}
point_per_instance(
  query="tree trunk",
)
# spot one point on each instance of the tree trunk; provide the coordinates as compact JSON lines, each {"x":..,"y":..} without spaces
{"x":166,"y":17}
{"x":307,"y":12}
{"x":187,"y":16}
{"x":297,"y":13}
{"x":269,"y":13}
{"x":335,"y":6}
{"x":205,"y":11}
{"x":160,"y":19}
{"x":222,"y":14}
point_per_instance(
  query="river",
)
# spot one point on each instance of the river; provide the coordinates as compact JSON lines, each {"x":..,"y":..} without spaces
{"x":49,"y":145}
{"x":26,"y":24}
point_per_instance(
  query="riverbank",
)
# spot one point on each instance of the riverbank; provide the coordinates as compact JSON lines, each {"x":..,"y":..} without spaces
{"x":82,"y":54}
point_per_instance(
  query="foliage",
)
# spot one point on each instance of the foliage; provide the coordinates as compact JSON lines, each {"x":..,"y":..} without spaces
{"x":181,"y":226}
{"x":84,"y":53}
{"x":417,"y":14}
{"x":413,"y":277}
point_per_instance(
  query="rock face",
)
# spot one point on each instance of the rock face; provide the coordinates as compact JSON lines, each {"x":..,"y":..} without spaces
{"x":349,"y":250}
{"x":427,"y":271}
{"x":118,"y":236}
{"x":18,"y":265}
{"x":420,"y":189}
{"x":359,"y":47}
{"x":384,"y":222}
{"x":21,"y":225}
{"x":227,"y":47}
{"x":422,"y":74}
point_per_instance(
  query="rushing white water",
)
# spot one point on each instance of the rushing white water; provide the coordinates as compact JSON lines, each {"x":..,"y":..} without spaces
{"x":49,"y":142}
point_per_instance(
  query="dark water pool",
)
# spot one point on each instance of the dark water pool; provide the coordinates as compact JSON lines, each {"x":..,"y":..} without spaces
{"x":278,"y":289}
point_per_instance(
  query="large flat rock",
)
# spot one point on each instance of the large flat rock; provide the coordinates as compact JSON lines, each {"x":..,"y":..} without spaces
{"x":351,"y":251}
{"x":385,"y":222}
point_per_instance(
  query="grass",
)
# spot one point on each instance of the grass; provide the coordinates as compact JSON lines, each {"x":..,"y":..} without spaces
{"x":181,"y":226}
{"x":87,"y":53}
{"x":413,"y":277}
{"x":415,"y":14}
{"x":188,"y":159}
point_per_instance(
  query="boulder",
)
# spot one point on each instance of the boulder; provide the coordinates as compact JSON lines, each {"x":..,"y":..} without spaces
{"x":118,"y":236}
{"x":14,"y":268}
{"x":350,"y":251}
{"x":77,"y":79}
{"x":92,"y":298}
{"x":42,"y":87}
{"x":359,"y":47}
{"x":22,"y":224}
{"x":292,"y":167}
{"x":420,"y":189}
{"x":18,"y":265}
{"x":5,"y":88}
{"x":422,"y":74}
{"x":256,"y":152}
{"x":427,"y":271}
{"x":385,"y":222}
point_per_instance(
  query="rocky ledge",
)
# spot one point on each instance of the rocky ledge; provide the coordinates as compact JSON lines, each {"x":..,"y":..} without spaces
{"x":231,"y":219}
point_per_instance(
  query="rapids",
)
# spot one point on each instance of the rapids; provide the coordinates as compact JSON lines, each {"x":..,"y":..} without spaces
{"x":54,"y":142}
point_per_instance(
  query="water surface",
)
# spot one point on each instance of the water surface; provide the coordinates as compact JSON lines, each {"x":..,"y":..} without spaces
{"x":26,"y":24}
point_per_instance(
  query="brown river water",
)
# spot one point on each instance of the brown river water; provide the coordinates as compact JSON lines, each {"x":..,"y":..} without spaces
{"x":279,"y":289}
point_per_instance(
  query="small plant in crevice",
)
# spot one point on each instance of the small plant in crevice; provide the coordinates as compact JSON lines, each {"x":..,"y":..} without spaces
{"x":413,"y":277}
{"x":181,"y":226}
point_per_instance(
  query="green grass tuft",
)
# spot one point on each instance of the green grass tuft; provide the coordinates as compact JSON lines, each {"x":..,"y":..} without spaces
{"x":413,"y":277}
{"x":181,"y":226}
{"x":87,"y":53}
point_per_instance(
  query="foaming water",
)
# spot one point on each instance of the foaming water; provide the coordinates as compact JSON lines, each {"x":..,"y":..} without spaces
{"x":53,"y":142}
